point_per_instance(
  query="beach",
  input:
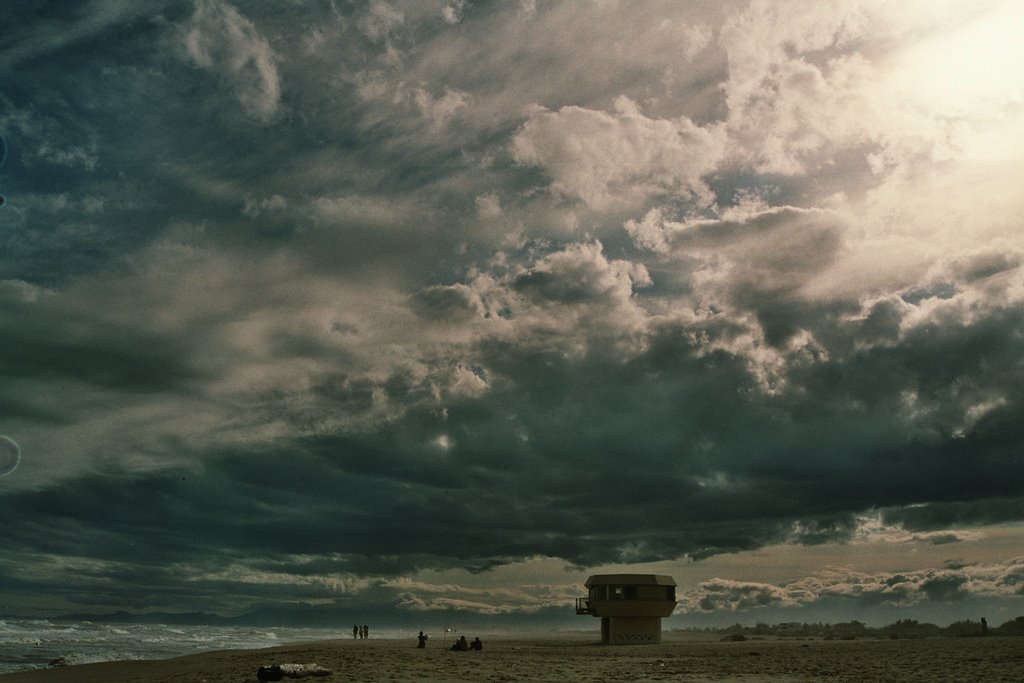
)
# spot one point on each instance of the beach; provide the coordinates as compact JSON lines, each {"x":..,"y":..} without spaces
{"x":577,"y":657}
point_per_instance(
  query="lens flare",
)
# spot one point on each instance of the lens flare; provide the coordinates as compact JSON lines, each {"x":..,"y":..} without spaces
{"x":10,"y":456}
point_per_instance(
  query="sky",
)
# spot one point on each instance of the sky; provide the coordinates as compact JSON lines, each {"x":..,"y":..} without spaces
{"x":426,"y":310}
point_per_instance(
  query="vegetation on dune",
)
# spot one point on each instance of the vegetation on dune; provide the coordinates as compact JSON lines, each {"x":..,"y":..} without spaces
{"x":903,"y":628}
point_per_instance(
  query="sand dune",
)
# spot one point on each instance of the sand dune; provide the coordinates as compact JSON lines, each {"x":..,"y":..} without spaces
{"x":682,"y":657}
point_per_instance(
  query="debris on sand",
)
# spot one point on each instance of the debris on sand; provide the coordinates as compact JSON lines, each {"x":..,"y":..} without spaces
{"x":276,"y":672}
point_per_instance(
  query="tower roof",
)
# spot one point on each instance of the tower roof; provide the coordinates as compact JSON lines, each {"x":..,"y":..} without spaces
{"x":630,"y":580}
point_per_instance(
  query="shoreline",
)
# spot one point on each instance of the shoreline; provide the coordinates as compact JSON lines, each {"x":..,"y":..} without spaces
{"x":680,"y":657}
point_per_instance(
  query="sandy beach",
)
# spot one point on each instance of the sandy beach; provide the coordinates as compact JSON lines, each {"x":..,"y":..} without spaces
{"x":681,"y":657}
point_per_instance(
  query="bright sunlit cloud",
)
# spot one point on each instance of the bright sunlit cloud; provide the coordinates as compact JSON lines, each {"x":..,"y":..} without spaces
{"x":970,"y":69}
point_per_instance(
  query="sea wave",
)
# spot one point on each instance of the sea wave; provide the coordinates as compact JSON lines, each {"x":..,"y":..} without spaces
{"x":34,"y":643}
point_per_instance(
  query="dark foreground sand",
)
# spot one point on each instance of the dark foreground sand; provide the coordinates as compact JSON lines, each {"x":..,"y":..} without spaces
{"x":681,"y":657}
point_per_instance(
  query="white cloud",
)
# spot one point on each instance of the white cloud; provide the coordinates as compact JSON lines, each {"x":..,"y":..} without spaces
{"x":608,"y":159}
{"x":650,"y":232}
{"x":220,"y":39}
{"x":952,"y":582}
{"x":422,"y":594}
{"x":441,"y":109}
{"x":488,"y":205}
{"x":807,"y":83}
{"x":750,"y":247}
{"x":60,"y":141}
{"x":380,"y":212}
{"x":452,"y":11}
{"x":380,"y":19}
{"x":395,"y":93}
{"x":580,"y":274}
{"x":726,"y":594}
{"x":871,"y":530}
{"x":660,"y":55}
{"x":254,"y":207}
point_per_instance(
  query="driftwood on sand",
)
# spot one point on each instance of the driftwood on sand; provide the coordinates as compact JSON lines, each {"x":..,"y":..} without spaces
{"x":277,"y":672}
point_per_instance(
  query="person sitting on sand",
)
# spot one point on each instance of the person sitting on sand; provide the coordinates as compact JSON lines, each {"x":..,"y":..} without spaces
{"x":476,"y":644}
{"x":422,"y":640}
{"x":461,"y":645}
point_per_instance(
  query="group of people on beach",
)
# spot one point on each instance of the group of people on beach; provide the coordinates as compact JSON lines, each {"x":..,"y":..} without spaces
{"x":460,"y":645}
{"x":361,"y":632}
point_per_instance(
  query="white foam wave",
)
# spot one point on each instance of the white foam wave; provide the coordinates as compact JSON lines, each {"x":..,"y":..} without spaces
{"x":32,"y":644}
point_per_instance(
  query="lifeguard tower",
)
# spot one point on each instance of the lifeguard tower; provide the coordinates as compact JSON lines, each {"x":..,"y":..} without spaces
{"x":631,"y":606}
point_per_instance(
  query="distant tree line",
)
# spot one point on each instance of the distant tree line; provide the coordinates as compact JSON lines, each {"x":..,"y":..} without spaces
{"x":903,"y":628}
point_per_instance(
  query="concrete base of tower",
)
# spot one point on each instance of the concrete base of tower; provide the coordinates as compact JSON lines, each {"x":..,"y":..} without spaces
{"x":630,"y":630}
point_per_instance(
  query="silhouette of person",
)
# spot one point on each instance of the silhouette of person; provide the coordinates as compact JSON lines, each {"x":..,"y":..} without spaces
{"x":366,"y":631}
{"x":422,"y":640}
{"x":461,"y":645}
{"x":476,"y":644}
{"x":355,"y":631}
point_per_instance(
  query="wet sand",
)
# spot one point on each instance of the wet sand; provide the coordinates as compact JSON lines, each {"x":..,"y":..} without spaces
{"x":569,"y":658}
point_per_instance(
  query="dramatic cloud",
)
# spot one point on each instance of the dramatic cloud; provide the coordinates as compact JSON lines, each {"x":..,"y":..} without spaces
{"x":222,"y":40}
{"x":608,"y":159}
{"x":436,"y":307}
{"x":951,"y":583}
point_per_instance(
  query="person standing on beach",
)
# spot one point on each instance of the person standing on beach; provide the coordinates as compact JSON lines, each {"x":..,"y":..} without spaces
{"x":355,"y":631}
{"x":422,"y":640}
{"x":366,"y":631}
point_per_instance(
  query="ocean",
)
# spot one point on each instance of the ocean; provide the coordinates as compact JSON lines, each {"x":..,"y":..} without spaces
{"x":33,"y":643}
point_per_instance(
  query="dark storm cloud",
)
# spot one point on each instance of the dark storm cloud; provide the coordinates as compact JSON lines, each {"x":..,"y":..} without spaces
{"x":940,"y":515}
{"x":717,"y":471}
{"x":340,"y":293}
{"x":702,"y":486}
{"x":447,"y":302}
{"x":119,"y":358}
{"x":212,"y":135}
{"x":944,"y":588}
